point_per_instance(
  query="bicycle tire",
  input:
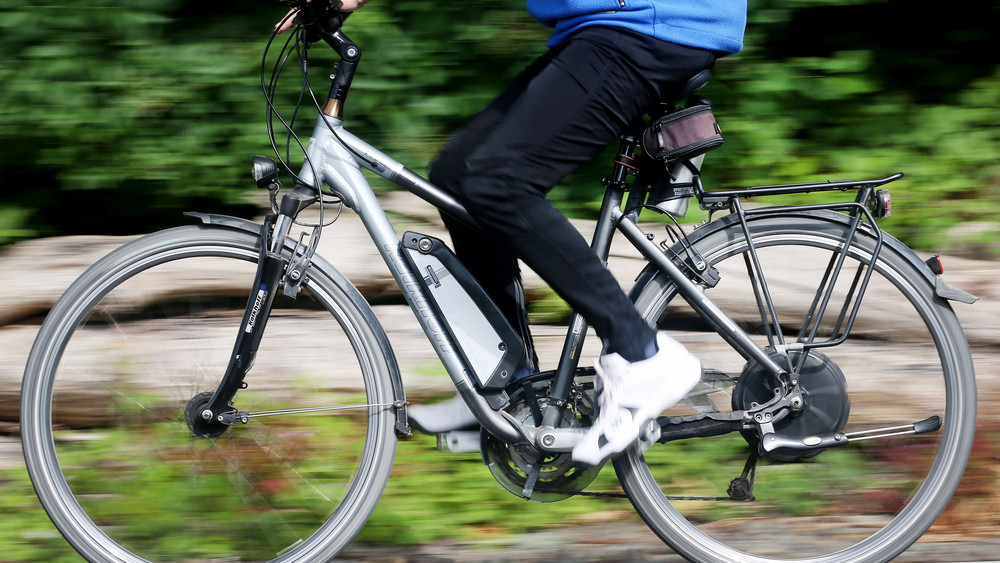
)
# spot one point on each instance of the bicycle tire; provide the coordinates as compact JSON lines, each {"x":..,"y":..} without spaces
{"x":143,"y":331}
{"x":907,"y":358}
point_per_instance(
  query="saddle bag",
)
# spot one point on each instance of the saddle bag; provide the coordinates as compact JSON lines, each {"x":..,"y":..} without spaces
{"x":682,"y":134}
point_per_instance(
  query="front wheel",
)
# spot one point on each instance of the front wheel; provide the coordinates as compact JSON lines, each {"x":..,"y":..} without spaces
{"x":906,"y":360}
{"x":144,"y":336}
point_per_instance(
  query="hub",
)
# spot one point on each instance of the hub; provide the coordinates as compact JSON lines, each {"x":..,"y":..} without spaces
{"x":194,"y":415}
{"x":822,"y":408}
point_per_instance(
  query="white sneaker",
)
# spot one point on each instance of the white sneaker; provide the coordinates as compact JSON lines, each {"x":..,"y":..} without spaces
{"x":445,"y":416}
{"x":630,"y":394}
{"x":460,"y":441}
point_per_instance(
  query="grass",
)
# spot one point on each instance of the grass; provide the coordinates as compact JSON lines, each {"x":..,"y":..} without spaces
{"x":155,"y":497}
{"x":436,"y":495}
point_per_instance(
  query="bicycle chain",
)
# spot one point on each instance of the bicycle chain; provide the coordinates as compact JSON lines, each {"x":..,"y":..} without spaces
{"x":623,"y":495}
{"x":740,"y":489}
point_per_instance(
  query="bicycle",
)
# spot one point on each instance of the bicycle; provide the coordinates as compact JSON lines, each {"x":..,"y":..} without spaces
{"x":147,"y":435}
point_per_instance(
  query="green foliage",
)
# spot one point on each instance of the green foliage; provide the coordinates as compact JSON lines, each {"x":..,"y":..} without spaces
{"x":545,"y":307}
{"x":427,"y":67}
{"x":434,"y":495}
{"x":28,"y":535}
{"x":119,"y":115}
{"x":830,"y":91}
{"x":431,"y":495}
{"x":112,"y":126}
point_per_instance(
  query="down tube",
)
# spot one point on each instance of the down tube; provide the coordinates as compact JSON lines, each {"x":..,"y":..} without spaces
{"x":705,"y":307}
{"x":340,"y":171}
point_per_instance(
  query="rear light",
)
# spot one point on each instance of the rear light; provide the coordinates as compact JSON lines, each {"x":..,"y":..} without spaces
{"x":880,"y":203}
{"x":934,"y":262}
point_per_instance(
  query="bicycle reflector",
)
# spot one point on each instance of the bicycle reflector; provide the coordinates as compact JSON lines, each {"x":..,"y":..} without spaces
{"x":934,"y":262}
{"x":880,"y":203}
{"x":265,"y":172}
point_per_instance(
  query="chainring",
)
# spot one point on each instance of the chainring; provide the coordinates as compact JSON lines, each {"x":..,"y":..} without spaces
{"x":551,"y":476}
{"x":824,"y":391}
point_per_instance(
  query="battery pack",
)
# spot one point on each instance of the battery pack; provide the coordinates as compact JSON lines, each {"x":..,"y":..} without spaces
{"x":491,"y":348}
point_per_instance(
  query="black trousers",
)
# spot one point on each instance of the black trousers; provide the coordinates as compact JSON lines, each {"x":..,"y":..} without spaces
{"x":557,"y":115}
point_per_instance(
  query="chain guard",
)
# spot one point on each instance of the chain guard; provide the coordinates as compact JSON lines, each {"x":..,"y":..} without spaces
{"x":528,"y":472}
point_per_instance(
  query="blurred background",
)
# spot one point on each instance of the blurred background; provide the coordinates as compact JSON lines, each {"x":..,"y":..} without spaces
{"x":116,"y":116}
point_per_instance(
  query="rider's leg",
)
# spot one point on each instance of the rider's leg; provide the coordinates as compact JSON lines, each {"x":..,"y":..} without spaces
{"x":500,"y":276}
{"x":574,"y":104}
{"x":490,"y":261}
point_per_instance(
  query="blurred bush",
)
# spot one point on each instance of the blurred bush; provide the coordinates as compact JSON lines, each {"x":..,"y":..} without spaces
{"x":828,"y":89}
{"x":118,"y":115}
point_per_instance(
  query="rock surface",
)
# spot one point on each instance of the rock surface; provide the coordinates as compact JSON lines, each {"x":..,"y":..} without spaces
{"x":33,"y":274}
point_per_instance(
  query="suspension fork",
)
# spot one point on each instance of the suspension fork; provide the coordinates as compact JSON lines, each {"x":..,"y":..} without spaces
{"x":270,"y":269}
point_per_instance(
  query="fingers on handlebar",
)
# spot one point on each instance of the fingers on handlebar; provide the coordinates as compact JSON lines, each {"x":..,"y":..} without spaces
{"x":287,"y":22}
{"x":320,"y":7}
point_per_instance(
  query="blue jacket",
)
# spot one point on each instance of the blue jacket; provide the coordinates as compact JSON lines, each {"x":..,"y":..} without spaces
{"x":709,"y":24}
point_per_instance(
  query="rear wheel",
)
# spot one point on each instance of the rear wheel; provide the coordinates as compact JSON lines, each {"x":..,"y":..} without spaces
{"x":906,"y":360}
{"x":116,"y":376}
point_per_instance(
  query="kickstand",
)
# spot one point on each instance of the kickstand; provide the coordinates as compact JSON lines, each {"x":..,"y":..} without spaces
{"x":741,"y":488}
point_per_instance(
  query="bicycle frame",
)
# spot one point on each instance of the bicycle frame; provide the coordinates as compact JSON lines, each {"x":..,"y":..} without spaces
{"x":335,"y":157}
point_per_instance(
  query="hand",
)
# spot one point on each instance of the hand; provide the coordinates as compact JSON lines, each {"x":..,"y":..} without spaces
{"x":288,"y":21}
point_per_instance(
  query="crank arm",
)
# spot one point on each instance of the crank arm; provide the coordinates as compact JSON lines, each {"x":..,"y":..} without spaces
{"x":563,"y":440}
{"x":558,"y":440}
{"x":772,"y":441}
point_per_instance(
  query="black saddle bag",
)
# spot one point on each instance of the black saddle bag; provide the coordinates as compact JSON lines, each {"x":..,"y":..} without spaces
{"x":682,"y":134}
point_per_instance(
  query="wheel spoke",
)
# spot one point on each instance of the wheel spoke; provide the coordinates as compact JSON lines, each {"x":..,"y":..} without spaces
{"x":125,"y":359}
{"x":905,"y":359}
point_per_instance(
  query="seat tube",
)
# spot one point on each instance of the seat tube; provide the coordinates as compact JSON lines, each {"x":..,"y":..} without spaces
{"x":614,"y":195}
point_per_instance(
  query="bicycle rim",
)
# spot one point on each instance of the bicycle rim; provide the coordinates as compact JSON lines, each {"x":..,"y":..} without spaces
{"x":906,"y":360}
{"x":146,"y":330}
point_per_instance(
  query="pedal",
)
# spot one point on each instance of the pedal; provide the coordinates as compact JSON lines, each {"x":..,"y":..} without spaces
{"x":649,"y":435}
{"x":459,"y":441}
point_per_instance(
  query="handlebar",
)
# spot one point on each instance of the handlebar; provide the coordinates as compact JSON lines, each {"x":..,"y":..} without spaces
{"x":320,"y":18}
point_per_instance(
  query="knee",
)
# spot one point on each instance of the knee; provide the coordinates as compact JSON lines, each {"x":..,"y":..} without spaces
{"x":480,"y":183}
{"x":473,"y":188}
